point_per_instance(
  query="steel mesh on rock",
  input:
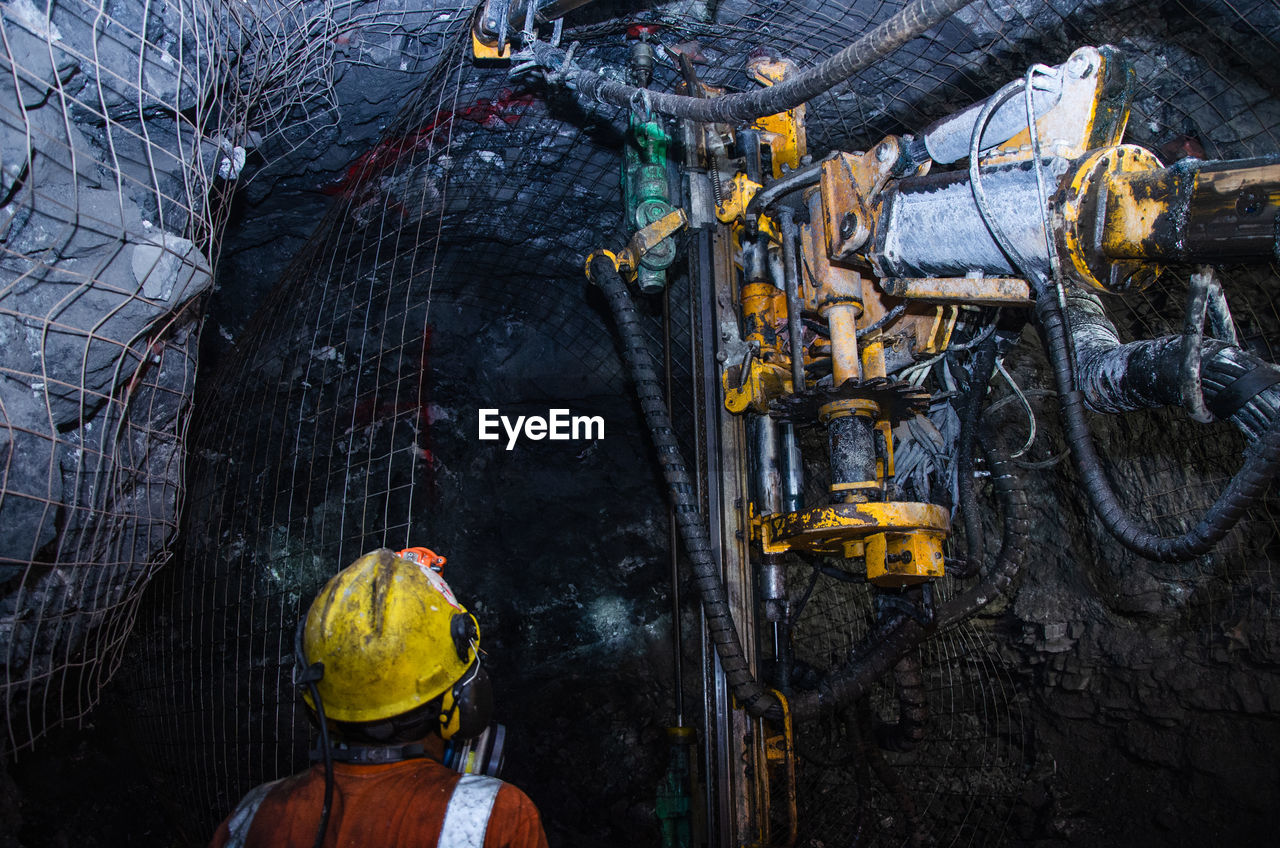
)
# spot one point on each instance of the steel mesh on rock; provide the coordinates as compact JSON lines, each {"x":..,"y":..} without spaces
{"x":314,"y":440}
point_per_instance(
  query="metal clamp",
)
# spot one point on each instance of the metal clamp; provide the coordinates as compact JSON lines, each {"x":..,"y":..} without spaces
{"x":627,"y":260}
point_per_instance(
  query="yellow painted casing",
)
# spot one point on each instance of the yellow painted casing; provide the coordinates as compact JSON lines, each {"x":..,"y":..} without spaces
{"x":839,"y":529}
{"x":783,"y":132}
{"x":485,"y":51}
{"x":753,"y":390}
{"x":901,"y":559}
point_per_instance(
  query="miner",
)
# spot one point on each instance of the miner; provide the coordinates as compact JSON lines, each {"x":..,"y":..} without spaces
{"x":391,"y":665}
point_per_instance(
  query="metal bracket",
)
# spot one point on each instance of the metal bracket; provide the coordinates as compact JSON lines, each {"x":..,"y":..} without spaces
{"x":737,"y":194}
{"x":627,"y":260}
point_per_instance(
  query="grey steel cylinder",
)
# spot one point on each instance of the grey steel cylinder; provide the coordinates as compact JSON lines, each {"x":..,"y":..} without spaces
{"x":792,"y":469}
{"x":765,"y":463}
{"x":931,"y":226}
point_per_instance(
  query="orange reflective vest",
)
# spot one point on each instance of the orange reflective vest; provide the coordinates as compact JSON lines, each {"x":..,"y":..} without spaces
{"x":407,"y":803}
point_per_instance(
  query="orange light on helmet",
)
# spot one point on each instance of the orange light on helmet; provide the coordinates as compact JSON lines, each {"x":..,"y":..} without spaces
{"x":424,"y":557}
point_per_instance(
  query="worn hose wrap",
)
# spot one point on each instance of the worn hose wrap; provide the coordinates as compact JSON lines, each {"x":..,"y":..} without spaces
{"x":984,"y":365}
{"x":693,"y":529}
{"x":1111,"y":377}
{"x":900,"y":633}
{"x":914,"y":20}
{"x":1117,"y":377}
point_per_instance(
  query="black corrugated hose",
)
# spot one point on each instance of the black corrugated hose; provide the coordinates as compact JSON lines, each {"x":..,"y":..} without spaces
{"x":984,"y":366}
{"x":1262,"y":459}
{"x":914,"y":20}
{"x":693,"y":529}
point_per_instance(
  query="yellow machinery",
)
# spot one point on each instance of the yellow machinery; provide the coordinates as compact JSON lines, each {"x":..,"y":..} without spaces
{"x":847,"y":271}
{"x":901,"y":542}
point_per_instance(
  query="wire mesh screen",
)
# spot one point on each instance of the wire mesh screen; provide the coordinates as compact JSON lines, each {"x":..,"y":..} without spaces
{"x":957,"y":787}
{"x":110,"y":213}
{"x":124,"y":129}
{"x":336,"y":427}
{"x":347,"y":420}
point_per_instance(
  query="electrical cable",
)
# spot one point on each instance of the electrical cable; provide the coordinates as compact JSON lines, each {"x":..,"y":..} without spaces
{"x":912,"y":21}
{"x":327,"y":754}
{"x":984,"y":364}
{"x":1026,"y":406}
{"x":982,"y":336}
{"x":309,"y":675}
{"x":1030,"y":465}
{"x":884,"y":320}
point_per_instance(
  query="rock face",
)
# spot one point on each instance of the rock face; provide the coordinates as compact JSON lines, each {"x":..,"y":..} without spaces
{"x":100,"y":277}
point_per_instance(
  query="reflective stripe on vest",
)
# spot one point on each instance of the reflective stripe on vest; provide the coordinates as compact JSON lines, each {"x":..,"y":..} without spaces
{"x":467,"y":818}
{"x":242,"y":816}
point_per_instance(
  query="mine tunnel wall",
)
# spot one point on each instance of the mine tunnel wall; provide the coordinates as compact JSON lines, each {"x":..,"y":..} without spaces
{"x":446,"y":276}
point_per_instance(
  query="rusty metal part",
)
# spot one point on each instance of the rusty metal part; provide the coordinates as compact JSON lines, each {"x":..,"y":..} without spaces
{"x":785,"y":131}
{"x":1194,"y":211}
{"x":829,"y":529}
{"x":987,"y":291}
{"x":627,"y":260}
{"x":1081,"y":225}
{"x":896,"y":401}
{"x":825,"y":284}
{"x":849,"y":185}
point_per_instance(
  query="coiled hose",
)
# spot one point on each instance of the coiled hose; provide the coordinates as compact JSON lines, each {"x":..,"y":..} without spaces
{"x":693,"y":529}
{"x":914,"y":19}
{"x":1121,"y":377}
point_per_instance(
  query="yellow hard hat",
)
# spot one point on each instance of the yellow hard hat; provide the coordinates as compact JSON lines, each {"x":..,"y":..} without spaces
{"x":391,"y":636}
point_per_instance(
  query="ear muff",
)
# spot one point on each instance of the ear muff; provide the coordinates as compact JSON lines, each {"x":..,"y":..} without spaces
{"x":465,"y":710}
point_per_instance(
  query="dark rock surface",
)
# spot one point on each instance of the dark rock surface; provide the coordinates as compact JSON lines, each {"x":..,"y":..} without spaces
{"x":1149,"y":693}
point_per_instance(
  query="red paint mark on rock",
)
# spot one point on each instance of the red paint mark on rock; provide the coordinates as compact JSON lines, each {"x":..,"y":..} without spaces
{"x":506,"y":110}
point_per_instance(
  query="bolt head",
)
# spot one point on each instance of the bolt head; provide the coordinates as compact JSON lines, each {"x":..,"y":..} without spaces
{"x":848,"y":225}
{"x":884,"y":151}
{"x":1080,"y":65}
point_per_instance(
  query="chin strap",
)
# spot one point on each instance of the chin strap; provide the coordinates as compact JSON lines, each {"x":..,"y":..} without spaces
{"x":371,"y":754}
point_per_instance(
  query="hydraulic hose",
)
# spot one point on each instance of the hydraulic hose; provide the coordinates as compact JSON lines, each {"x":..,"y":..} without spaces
{"x":680,"y":487}
{"x":1116,"y":378}
{"x":984,"y":365}
{"x":914,"y":19}
{"x":780,"y":188}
